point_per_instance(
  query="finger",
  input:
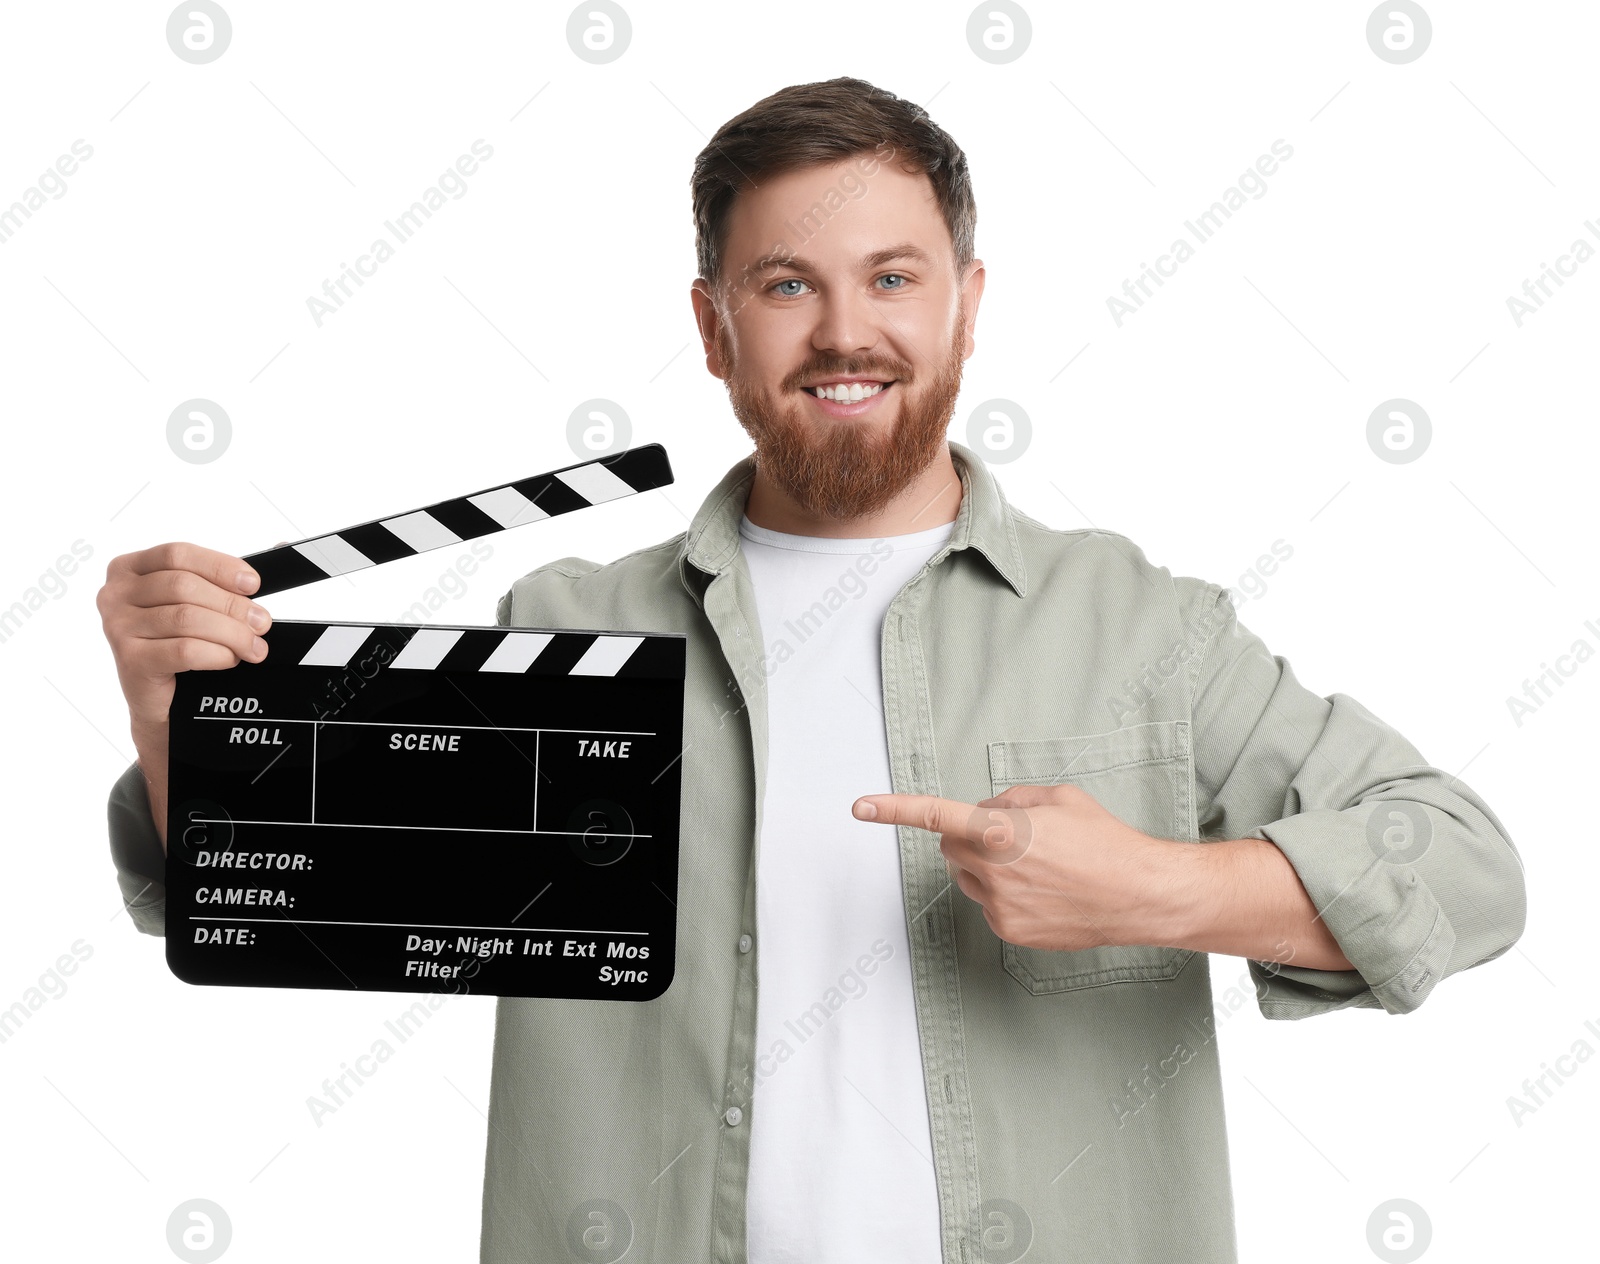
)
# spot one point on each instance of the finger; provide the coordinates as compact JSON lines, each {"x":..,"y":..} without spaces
{"x":968,"y":884}
{"x":188,"y":622}
{"x":223,"y":569}
{"x":170,"y":655}
{"x":924,"y":811}
{"x":185,"y":588}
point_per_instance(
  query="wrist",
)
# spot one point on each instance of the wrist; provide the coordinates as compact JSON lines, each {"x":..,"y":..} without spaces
{"x":150,"y":745}
{"x":1186,"y":877}
{"x":149,"y":731}
{"x":1180,"y":876}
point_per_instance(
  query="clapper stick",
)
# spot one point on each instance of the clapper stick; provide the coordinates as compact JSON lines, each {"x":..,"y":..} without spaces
{"x":461,"y":518}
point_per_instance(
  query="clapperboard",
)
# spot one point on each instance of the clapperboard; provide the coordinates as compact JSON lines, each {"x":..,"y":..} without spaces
{"x":419,"y":808}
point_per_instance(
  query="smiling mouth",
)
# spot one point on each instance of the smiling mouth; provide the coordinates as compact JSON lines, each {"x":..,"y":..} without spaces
{"x":848,"y":392}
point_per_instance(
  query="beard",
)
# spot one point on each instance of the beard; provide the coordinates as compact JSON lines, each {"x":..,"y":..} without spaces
{"x":842,"y":468}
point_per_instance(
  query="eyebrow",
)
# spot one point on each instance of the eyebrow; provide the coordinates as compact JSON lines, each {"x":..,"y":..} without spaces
{"x":905,"y":250}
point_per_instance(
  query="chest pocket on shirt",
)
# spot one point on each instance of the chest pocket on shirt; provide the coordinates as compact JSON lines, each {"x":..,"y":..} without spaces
{"x":1141,"y":774}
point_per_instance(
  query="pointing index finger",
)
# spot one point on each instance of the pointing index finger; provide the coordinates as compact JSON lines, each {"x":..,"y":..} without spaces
{"x":924,"y":811}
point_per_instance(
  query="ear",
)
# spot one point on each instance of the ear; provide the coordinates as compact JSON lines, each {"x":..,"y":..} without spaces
{"x":706,"y":319}
{"x":971,"y":294}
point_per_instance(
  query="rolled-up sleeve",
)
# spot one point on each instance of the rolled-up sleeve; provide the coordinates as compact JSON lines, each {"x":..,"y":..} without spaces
{"x":137,"y":853}
{"x":1412,"y":872}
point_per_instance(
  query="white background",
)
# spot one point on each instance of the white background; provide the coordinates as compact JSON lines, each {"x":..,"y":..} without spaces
{"x":1227,"y":414}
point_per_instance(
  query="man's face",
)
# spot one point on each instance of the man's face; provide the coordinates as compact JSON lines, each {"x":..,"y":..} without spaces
{"x":871,"y":295}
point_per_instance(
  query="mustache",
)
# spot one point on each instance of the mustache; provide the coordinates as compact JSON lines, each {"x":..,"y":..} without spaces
{"x":826,"y":373}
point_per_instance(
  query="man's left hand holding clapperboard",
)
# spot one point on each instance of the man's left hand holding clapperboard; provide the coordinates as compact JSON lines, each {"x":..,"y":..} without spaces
{"x":418,"y":808}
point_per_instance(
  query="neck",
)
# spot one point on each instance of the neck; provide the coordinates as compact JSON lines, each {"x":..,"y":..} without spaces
{"x":930,"y":500}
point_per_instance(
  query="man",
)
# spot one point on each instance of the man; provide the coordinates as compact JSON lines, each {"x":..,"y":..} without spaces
{"x":989,"y":1029}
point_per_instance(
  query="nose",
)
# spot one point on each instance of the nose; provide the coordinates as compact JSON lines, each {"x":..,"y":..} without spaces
{"x":846,"y":324}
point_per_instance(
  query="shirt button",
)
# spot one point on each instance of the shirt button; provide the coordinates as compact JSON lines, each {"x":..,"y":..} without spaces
{"x":733,"y":1115}
{"x":744,"y":943}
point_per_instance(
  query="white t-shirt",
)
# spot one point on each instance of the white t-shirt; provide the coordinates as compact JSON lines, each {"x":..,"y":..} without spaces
{"x":841,"y":1158}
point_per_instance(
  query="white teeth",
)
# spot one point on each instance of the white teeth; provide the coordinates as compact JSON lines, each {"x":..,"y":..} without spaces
{"x":848,"y":392}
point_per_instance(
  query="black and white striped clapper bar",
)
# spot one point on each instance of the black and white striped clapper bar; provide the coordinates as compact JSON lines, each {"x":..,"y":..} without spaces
{"x":462,"y":518}
{"x":407,"y":808}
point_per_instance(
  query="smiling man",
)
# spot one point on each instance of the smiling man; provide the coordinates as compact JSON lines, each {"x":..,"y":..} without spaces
{"x":966,"y":800}
{"x":843,"y":367}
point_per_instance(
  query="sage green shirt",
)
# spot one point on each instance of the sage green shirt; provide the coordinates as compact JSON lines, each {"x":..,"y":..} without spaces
{"x":1074,"y":1097}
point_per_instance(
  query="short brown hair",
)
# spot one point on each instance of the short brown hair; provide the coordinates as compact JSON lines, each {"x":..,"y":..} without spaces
{"x":814,"y":124}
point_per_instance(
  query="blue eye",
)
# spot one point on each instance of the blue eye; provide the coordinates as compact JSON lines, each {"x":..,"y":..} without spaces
{"x":888,"y":276}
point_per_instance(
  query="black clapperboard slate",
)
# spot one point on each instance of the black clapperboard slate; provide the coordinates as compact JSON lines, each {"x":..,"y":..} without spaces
{"x":421,"y":808}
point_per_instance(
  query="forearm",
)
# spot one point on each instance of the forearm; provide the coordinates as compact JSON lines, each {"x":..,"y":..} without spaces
{"x":1243,"y":897}
{"x":150,"y":742}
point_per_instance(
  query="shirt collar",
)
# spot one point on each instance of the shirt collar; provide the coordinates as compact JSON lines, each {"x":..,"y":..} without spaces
{"x":982,"y":522}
